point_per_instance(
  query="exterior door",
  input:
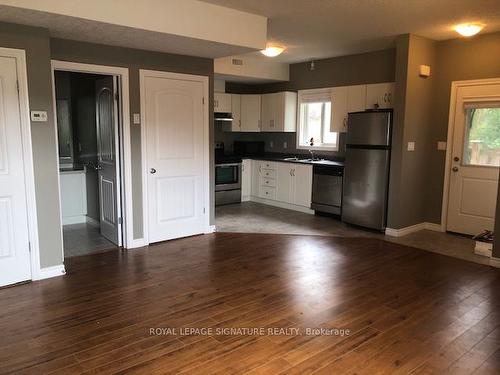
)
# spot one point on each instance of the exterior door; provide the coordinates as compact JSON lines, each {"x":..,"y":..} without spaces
{"x":108,"y":167}
{"x":475,"y":159}
{"x":14,"y":244}
{"x":174,"y":120}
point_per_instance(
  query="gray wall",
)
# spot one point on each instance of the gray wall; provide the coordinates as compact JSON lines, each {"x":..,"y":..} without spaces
{"x":35,"y":42}
{"x":134,"y":60}
{"x":412,"y":122}
{"x":372,"y":67}
{"x":457,"y":59}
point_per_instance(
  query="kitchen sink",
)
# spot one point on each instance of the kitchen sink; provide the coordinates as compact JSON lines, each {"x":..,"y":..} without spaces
{"x":291,"y":159}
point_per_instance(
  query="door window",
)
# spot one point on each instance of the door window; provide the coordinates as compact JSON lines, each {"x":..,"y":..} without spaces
{"x":482,"y":135}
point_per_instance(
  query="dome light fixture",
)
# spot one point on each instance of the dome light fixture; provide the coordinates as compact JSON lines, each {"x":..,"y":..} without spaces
{"x":272,"y":51}
{"x":468,"y":29}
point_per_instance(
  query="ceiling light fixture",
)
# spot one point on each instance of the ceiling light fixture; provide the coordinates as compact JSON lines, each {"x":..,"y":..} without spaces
{"x":272,"y":51}
{"x":468,"y":29}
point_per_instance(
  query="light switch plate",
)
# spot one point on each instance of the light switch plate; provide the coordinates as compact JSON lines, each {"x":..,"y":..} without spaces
{"x":136,"y":118}
{"x":411,"y":146}
{"x":271,"y":144}
{"x":39,"y":116}
{"x":441,"y":145}
{"x":285,"y":144}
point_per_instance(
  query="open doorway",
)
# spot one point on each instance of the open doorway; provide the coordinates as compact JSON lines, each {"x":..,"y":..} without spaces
{"x":88,"y":126}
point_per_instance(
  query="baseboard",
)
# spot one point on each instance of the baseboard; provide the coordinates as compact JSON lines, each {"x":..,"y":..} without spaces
{"x":210,"y":229}
{"x":245,"y":198}
{"x":412,"y":229}
{"x":139,"y":242}
{"x":48,"y":272}
{"x":287,"y":206}
{"x":93,"y":222}
{"x":70,"y":220}
{"x":483,"y":248}
{"x":495,"y":262}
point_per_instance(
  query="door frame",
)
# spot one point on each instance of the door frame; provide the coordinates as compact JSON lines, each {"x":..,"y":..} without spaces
{"x":29,"y":173}
{"x":455,"y":85}
{"x":143,"y":73}
{"x":124,"y":155}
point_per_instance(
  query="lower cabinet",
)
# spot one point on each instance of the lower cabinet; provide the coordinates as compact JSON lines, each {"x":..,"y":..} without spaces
{"x":287,"y":183}
{"x":246,"y":179}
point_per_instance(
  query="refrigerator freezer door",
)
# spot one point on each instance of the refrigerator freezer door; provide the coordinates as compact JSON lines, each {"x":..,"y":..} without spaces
{"x":369,"y":128}
{"x":365,"y":187}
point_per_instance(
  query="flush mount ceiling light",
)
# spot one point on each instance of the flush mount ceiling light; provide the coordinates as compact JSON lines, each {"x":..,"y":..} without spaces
{"x":468,"y":29}
{"x":272,"y":51}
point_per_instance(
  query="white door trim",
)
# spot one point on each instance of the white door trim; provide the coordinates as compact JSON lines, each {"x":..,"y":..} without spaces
{"x":143,"y":73}
{"x":29,"y":175}
{"x":125,"y":157}
{"x":449,"y":140}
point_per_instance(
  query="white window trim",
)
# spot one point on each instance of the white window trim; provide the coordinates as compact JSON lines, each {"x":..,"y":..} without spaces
{"x":313,"y":94}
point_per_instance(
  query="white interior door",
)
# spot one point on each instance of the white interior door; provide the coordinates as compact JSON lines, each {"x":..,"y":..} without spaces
{"x":14,"y":241}
{"x":174,"y":120}
{"x":107,"y":151}
{"x":475,"y":159}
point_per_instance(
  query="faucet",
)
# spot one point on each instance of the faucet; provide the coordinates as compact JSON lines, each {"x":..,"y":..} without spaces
{"x":312,"y":154}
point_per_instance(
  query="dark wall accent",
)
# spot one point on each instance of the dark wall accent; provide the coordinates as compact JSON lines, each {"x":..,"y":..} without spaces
{"x":370,"y":67}
{"x":134,"y":60}
{"x":35,"y":42}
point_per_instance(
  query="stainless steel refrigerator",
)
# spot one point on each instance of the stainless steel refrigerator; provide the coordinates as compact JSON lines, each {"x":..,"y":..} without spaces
{"x":366,"y":175}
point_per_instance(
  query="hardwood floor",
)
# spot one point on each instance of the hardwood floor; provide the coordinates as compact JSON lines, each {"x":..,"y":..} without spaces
{"x":407,"y":310}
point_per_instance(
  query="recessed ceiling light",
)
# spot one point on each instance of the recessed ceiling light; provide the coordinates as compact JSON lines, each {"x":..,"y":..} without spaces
{"x":468,"y":29}
{"x":272,"y":51}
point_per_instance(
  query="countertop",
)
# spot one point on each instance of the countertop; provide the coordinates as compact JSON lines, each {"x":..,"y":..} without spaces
{"x":302,"y":159}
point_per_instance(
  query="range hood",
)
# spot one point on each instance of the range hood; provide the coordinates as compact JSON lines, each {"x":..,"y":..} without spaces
{"x":223,"y":116}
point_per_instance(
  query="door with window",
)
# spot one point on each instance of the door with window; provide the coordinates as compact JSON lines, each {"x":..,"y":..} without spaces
{"x":475,"y":159}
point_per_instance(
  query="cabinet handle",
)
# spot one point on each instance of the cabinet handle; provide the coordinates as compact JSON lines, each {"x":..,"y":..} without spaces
{"x":385,"y":98}
{"x":389,"y":97}
{"x":291,"y":172}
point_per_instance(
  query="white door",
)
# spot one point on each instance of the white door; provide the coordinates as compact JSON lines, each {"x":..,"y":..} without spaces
{"x":108,"y":172}
{"x":174,"y":119}
{"x":475,"y":159}
{"x":302,"y":185}
{"x":250,"y":113}
{"x":14,"y":243}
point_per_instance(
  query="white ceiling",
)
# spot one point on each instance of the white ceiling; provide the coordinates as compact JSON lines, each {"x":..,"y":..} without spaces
{"x":313,"y":29}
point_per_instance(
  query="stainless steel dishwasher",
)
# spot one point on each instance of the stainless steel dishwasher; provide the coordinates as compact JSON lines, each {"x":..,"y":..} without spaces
{"x":327,"y":189}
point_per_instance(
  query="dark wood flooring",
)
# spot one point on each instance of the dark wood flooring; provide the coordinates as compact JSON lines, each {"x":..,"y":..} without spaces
{"x":407,"y":310}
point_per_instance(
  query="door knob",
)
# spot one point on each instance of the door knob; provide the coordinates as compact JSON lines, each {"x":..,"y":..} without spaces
{"x":456,"y":158}
{"x":152,"y":171}
{"x":454,"y":169}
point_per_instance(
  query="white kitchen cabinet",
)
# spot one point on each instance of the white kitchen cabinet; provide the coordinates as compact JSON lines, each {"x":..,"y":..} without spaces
{"x":250,"y":113}
{"x":246,"y":179}
{"x":255,"y":188}
{"x":356,"y":98}
{"x":338,"y":122}
{"x":302,"y":185}
{"x":284,"y":182}
{"x":236,"y":112}
{"x":222,"y":102}
{"x":379,"y":95}
{"x":73,"y":197}
{"x":279,"y":112}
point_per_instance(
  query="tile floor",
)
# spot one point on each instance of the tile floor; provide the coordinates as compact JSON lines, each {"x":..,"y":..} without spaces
{"x":82,"y":239}
{"x":250,"y":217}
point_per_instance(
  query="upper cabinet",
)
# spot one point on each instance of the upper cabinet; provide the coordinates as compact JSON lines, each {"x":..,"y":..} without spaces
{"x":380,"y":95}
{"x":356,"y":98}
{"x":250,"y":113}
{"x":236,"y":112}
{"x":338,"y":122}
{"x":222,"y":102}
{"x":279,"y":112}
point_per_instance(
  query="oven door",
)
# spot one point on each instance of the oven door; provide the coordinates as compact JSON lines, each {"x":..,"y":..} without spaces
{"x":227,"y":176}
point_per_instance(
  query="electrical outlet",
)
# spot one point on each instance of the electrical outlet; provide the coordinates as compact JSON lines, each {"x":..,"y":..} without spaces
{"x":411,"y":146}
{"x":285,"y":144}
{"x":271,"y":144}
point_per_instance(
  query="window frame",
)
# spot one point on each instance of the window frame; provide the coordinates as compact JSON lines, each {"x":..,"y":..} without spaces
{"x":312,"y":96}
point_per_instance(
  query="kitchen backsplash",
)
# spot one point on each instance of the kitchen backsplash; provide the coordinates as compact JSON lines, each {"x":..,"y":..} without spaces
{"x":275,"y":142}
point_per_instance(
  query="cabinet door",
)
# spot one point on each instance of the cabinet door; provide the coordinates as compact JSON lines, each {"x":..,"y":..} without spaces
{"x":289,"y":113}
{"x":269,"y":112}
{"x":222,"y":102}
{"x":236,"y":112}
{"x":246,"y":179}
{"x":256,"y":168}
{"x":284,"y":182}
{"x":302,"y":185}
{"x":250,"y":113}
{"x":339,"y":110}
{"x":379,"y":95}
{"x":356,"y":98}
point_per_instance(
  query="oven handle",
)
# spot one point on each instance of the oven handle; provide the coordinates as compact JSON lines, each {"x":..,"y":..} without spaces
{"x":228,"y":165}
